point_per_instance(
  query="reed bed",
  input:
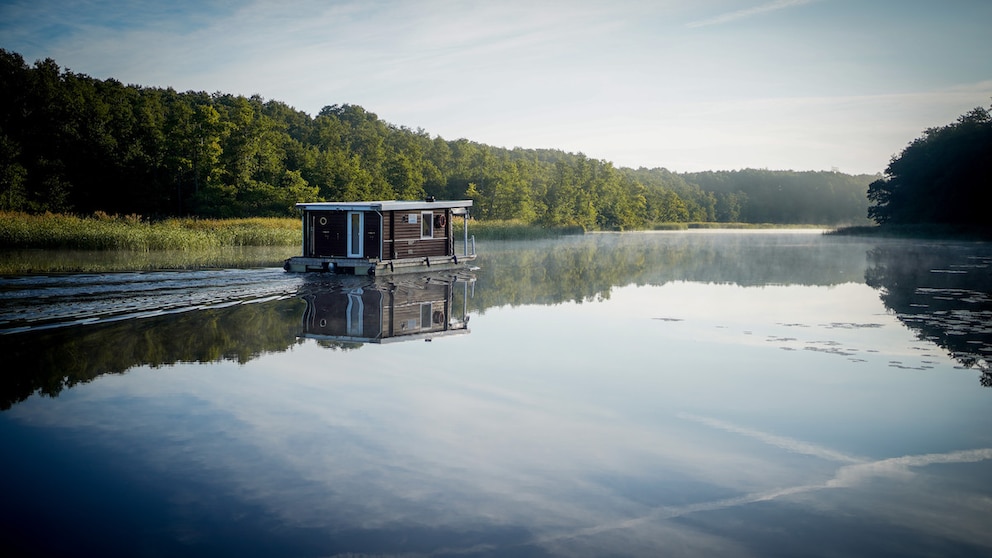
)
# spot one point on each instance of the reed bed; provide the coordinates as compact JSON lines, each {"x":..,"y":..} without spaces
{"x":24,"y":262}
{"x":132,"y":233}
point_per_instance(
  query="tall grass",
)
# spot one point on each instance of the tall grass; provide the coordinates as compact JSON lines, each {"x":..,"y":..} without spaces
{"x":22,"y":262}
{"x":131,"y":232}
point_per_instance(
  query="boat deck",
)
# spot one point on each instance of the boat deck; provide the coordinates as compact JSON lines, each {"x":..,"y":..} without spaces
{"x":363,"y":266}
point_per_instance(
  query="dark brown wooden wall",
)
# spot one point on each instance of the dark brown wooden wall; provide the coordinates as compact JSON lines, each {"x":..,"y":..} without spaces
{"x":405,"y":237}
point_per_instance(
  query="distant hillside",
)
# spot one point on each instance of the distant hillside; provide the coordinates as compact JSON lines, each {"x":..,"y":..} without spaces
{"x":763,"y":196}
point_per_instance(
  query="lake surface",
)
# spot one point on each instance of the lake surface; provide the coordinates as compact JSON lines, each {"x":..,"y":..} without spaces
{"x":637,"y":394}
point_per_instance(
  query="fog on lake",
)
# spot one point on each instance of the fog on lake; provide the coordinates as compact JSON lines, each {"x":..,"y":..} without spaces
{"x":754,"y":393}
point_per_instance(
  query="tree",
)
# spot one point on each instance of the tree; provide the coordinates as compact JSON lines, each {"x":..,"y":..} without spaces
{"x":943,"y":177}
{"x":13,"y":190}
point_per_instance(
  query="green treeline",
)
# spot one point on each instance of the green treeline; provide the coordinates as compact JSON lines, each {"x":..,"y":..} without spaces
{"x":73,"y":144}
{"x":943,"y":177}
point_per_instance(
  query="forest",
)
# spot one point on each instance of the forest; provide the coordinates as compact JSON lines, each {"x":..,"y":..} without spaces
{"x":70,"y":143}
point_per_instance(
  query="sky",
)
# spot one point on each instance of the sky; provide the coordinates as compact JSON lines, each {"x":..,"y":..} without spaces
{"x":689,"y":86}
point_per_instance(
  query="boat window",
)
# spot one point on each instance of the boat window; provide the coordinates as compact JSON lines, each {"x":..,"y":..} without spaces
{"x":426,"y":225}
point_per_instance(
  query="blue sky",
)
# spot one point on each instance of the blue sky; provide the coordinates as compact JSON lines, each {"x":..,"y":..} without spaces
{"x":701,"y":85}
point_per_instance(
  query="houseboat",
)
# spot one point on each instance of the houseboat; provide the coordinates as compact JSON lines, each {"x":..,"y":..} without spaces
{"x":382,"y":237}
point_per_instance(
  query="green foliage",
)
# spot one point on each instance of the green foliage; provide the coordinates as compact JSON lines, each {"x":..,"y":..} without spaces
{"x":942,"y":177}
{"x":71,"y":143}
{"x":33,"y":261}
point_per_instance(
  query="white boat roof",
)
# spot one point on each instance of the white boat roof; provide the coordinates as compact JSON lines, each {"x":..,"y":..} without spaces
{"x":384,"y":205}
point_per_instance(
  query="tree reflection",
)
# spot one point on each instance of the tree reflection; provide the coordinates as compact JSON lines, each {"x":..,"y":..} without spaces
{"x":339,"y":312}
{"x":941,"y":292}
{"x":50,"y":360}
{"x":585,"y":268}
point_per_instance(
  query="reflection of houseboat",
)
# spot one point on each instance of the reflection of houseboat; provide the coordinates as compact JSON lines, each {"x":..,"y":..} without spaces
{"x":380,"y":237}
{"x":378,"y":311}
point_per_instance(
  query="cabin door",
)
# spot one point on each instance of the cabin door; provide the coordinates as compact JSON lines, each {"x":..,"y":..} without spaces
{"x":356,"y":226}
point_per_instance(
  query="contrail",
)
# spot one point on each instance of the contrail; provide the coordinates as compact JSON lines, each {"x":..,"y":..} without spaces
{"x":748,"y":12}
{"x":783,"y":442}
{"x":857,"y":470}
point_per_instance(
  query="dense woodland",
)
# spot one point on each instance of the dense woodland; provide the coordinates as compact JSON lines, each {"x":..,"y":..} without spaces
{"x":70,"y":143}
{"x":942,"y":177}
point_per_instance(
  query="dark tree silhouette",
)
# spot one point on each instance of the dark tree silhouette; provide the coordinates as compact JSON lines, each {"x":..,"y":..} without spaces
{"x":942,"y":177}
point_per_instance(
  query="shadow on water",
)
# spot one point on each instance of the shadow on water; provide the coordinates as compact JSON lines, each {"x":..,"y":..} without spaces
{"x":943,"y":293}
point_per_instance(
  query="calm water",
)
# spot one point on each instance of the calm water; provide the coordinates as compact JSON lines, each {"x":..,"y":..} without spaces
{"x":666,"y":394}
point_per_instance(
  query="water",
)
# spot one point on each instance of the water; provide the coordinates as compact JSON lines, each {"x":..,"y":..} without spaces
{"x":701,"y":393}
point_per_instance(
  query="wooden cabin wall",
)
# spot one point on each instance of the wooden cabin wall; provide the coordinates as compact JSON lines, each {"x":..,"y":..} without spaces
{"x":403,"y":238}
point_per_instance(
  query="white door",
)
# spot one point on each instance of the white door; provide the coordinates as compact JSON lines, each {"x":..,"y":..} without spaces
{"x":356,"y":225}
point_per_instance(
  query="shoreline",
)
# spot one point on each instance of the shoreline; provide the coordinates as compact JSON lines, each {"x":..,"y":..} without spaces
{"x":919,"y":231}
